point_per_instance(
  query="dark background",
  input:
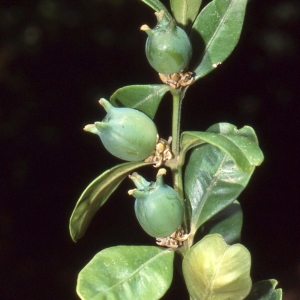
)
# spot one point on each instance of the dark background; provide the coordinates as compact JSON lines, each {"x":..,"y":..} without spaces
{"x":57,"y":58}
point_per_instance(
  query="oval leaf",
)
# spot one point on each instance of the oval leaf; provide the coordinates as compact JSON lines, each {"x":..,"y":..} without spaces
{"x":241,"y":145}
{"x":214,"y":270}
{"x":219,"y":26}
{"x":158,"y":6}
{"x":127,"y":272}
{"x":228,"y":222}
{"x":95,"y":195}
{"x":212,"y":181}
{"x":265,"y":290}
{"x":145,"y":98}
{"x":185,"y":11}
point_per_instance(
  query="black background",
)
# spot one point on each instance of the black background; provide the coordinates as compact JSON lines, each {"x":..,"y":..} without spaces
{"x":57,"y":59}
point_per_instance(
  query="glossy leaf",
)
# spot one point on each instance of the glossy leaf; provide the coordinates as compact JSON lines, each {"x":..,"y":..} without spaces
{"x":145,"y":98}
{"x":228,"y":222}
{"x":158,"y":6}
{"x":95,"y":195}
{"x":218,"y":26}
{"x":265,"y":290}
{"x":241,"y":145}
{"x":212,"y":181}
{"x":127,"y":272}
{"x":216,"y":271}
{"x":185,"y":11}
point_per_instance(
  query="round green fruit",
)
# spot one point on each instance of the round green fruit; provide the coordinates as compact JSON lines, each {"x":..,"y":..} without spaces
{"x":168,"y":48}
{"x":158,"y":207}
{"x":125,"y":132}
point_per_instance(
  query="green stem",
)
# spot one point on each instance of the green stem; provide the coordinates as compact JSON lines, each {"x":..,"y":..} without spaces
{"x":173,"y":164}
{"x":177,"y":100}
{"x":176,"y":169}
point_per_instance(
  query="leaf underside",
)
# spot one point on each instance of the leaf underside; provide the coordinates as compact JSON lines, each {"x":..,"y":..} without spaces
{"x":95,"y":195}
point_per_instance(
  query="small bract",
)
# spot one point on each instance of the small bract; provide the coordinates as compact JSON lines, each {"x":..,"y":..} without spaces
{"x":168,"y":48}
{"x":125,"y":132}
{"x":158,"y":207}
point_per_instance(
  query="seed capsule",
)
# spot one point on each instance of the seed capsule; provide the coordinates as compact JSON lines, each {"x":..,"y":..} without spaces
{"x":168,"y":48}
{"x":125,"y":132}
{"x":158,"y":207}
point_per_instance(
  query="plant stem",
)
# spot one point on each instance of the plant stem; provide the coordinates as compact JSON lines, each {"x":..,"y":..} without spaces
{"x":173,"y":164}
{"x":177,"y":100}
{"x":176,"y":169}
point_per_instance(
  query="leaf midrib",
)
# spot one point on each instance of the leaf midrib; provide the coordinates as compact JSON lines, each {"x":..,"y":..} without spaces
{"x":156,"y":91}
{"x":223,"y":19}
{"x":135,"y":272}
{"x":209,"y":188}
{"x":209,"y":291}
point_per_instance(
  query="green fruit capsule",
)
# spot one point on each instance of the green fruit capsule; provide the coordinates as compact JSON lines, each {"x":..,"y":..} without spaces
{"x":125,"y":132}
{"x":168,"y":48}
{"x":158,"y":207}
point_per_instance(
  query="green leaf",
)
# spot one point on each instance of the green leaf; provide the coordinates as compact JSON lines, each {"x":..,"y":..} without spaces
{"x":241,"y":145}
{"x":216,"y":173}
{"x":265,"y":290}
{"x":185,"y":11}
{"x":95,"y":195}
{"x":145,"y":98}
{"x":216,"y":271}
{"x":158,"y":6}
{"x":212,"y":181}
{"x":228,"y":222}
{"x":127,"y":272}
{"x":219,"y":26}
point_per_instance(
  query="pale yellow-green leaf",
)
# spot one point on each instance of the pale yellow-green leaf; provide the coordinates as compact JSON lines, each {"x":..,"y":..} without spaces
{"x":216,"y":271}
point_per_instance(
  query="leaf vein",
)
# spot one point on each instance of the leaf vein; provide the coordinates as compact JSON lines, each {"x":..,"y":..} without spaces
{"x":222,"y":21}
{"x":136,"y":271}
